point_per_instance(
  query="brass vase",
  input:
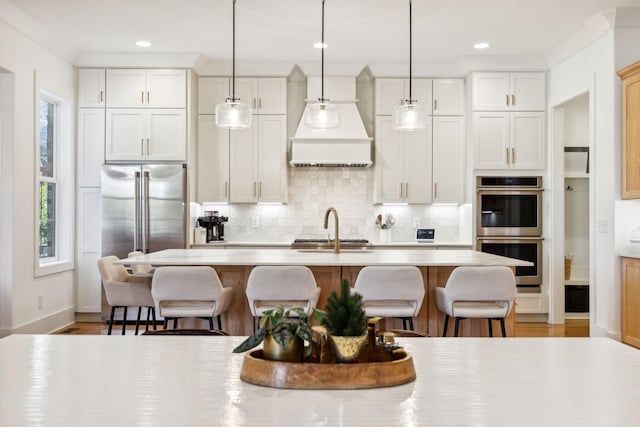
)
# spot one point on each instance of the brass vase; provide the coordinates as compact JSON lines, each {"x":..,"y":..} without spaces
{"x":294,"y":352}
{"x":347,"y":349}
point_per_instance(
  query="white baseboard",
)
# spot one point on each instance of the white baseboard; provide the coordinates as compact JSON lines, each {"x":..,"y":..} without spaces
{"x":45,"y":325}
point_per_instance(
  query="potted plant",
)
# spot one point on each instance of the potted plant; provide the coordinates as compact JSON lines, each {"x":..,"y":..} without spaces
{"x":283,"y":336}
{"x":346,"y":323}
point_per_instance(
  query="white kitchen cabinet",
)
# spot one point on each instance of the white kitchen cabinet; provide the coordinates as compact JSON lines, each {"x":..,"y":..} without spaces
{"x":88,"y":235}
{"x":91,"y":88}
{"x":265,"y":95}
{"x":448,"y":97}
{"x":448,"y":151}
{"x":211,"y":92}
{"x":91,"y":135}
{"x":505,"y":140}
{"x":146,"y":135}
{"x":257,"y":165}
{"x":390,"y":92}
{"x":403,"y":164}
{"x":213,"y":161}
{"x":137,"y":88}
{"x":516,"y":91}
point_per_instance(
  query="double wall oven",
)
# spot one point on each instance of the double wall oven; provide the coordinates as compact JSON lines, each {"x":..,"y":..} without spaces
{"x":509,"y":222}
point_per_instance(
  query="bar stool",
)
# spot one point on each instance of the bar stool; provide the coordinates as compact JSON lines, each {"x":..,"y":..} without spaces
{"x":140,"y":269}
{"x":477,"y":292}
{"x":391,"y":292}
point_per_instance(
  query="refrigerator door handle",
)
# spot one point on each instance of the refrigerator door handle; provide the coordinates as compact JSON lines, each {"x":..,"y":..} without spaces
{"x":145,"y":222}
{"x":136,"y":217}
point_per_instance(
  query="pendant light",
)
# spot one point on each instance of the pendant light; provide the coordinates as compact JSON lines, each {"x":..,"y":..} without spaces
{"x":233,"y":114}
{"x":322,"y":114}
{"x":409,"y":115}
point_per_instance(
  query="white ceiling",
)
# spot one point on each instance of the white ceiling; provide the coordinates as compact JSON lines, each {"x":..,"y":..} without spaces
{"x":368,"y":31}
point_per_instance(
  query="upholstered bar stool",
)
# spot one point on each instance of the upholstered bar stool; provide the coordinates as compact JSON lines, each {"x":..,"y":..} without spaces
{"x":477,"y":292}
{"x":391,"y":292}
{"x":140,"y":269}
{"x":197,"y":292}
{"x":124,"y":290}
{"x":289,"y":286}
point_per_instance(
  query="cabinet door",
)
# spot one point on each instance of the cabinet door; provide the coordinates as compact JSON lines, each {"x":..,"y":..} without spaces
{"x":528,"y":91}
{"x":630,"y":132}
{"x":91,"y":87}
{"x":491,"y":140}
{"x":166,"y":88}
{"x":389,"y":162}
{"x":89,"y":286}
{"x":211,"y":92}
{"x":421,"y":91}
{"x":527,"y":135}
{"x":213,"y":161}
{"x":418,"y":154}
{"x":166,"y":135}
{"x":389,"y":93}
{"x":243,"y":165}
{"x":125,"y":137}
{"x":490,"y":91}
{"x":90,"y":146}
{"x":126,"y":88}
{"x":448,"y":97}
{"x":448,"y":160}
{"x":247,"y":91}
{"x":631,"y":301}
{"x":272,"y":159}
{"x":272,"y":96}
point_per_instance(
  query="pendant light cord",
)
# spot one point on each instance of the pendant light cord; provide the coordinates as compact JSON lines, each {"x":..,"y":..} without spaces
{"x":233,"y":66}
{"x":322,"y":60}
{"x":410,"y":49}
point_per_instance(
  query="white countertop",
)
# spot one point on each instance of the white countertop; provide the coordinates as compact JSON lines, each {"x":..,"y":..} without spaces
{"x":90,"y":380}
{"x":231,"y":244}
{"x":314,"y":258}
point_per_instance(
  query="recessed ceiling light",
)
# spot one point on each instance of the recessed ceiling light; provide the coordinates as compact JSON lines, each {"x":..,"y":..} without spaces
{"x":481,"y":45}
{"x":320,"y":45}
{"x":143,"y":43}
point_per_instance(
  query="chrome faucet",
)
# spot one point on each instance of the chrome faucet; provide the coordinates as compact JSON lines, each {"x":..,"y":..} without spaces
{"x":336,"y":247}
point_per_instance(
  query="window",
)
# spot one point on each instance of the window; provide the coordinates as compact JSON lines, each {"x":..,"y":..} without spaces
{"x":54,"y":186}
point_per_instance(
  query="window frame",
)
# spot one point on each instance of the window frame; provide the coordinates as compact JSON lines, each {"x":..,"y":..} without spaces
{"x":51,"y":180}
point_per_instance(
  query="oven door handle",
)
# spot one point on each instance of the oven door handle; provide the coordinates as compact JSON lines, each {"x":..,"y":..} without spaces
{"x":503,"y":238}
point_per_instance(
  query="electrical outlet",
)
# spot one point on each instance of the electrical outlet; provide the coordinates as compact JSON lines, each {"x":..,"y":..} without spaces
{"x":603,"y":226}
{"x":40,"y":302}
{"x":416,"y":222}
{"x":255,"y":222}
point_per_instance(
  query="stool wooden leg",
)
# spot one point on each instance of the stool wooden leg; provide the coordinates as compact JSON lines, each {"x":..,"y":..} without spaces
{"x":446,"y":325}
{"x":113,"y":313}
{"x":124,"y":321}
{"x":455,"y":328}
{"x":490,"y":328}
{"x":504,"y":332}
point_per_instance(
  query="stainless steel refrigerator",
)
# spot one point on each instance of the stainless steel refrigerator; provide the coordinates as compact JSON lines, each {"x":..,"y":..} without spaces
{"x":143,"y":208}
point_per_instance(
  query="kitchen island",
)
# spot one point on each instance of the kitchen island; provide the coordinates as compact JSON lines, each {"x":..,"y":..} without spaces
{"x":234,"y":265}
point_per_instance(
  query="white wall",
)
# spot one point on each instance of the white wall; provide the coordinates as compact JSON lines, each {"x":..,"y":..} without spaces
{"x":31,"y":67}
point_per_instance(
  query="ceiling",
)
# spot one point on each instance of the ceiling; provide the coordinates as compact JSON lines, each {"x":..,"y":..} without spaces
{"x":369,"y":31}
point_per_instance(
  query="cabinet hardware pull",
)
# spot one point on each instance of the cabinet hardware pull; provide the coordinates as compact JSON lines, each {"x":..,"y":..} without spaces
{"x":259,"y":102}
{"x":401,"y":188}
{"x":142,"y":97}
{"x":255,"y":189}
{"x":435,"y":104}
{"x":254,"y":103}
{"x":513,"y":100}
{"x":148,"y":98}
{"x":226,"y":187}
{"x":513,"y":155}
{"x":435,"y":190}
{"x":148,"y":147}
{"x":101,"y":96}
{"x":260,"y":189}
{"x":507,"y":96}
{"x":507,"y":150}
{"x":142,"y":146}
{"x":406,"y":189}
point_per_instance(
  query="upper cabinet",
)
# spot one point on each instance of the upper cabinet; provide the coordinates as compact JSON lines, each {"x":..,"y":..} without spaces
{"x":448,"y":97}
{"x":265,"y":95}
{"x":211,"y":92}
{"x":630,"y":131}
{"x":91,"y":88}
{"x":136,"y":88}
{"x":391,"y":92}
{"x":448,"y":150}
{"x":517,"y":91}
{"x":213,"y":161}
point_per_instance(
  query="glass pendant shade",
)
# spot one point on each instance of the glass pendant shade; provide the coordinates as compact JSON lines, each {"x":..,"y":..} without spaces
{"x":233,"y":115}
{"x":408,"y":117}
{"x":322,"y":115}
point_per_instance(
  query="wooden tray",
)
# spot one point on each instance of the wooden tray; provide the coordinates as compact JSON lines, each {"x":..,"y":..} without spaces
{"x":256,"y":370}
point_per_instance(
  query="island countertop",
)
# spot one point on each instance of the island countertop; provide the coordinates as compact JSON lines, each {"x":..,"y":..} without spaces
{"x":347,"y":257}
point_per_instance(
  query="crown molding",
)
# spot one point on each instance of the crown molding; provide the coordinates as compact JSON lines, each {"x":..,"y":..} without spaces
{"x":131,"y":59}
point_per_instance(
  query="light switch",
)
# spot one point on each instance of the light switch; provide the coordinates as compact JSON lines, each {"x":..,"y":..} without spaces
{"x":255,"y":222}
{"x":603,"y":226}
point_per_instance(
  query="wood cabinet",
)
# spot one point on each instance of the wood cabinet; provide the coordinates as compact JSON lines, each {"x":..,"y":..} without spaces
{"x":211,"y":92}
{"x":448,"y":150}
{"x":91,"y":88}
{"x":448,"y":97}
{"x":213,"y":161}
{"x":630,"y":131}
{"x":390,"y":92}
{"x":91,"y":133}
{"x":265,"y":95}
{"x":134,"y":134}
{"x":631,"y":301}
{"x":257,"y":162}
{"x":504,"y":140}
{"x":403,"y":164}
{"x":517,"y":91}
{"x":137,"y":88}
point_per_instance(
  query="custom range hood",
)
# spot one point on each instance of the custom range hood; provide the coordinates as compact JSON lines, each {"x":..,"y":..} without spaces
{"x":346,"y":145}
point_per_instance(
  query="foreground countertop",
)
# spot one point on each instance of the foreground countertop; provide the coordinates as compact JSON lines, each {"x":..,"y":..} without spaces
{"x":355,"y":257}
{"x":69,"y":380}
{"x":284,"y":245}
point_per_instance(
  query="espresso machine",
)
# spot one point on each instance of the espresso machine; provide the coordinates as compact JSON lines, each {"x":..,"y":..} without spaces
{"x":214,"y":223}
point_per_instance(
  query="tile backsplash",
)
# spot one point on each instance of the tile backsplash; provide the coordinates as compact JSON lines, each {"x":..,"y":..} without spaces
{"x":350,"y":191}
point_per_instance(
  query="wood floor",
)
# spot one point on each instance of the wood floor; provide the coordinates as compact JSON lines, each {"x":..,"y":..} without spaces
{"x":572,"y":328}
